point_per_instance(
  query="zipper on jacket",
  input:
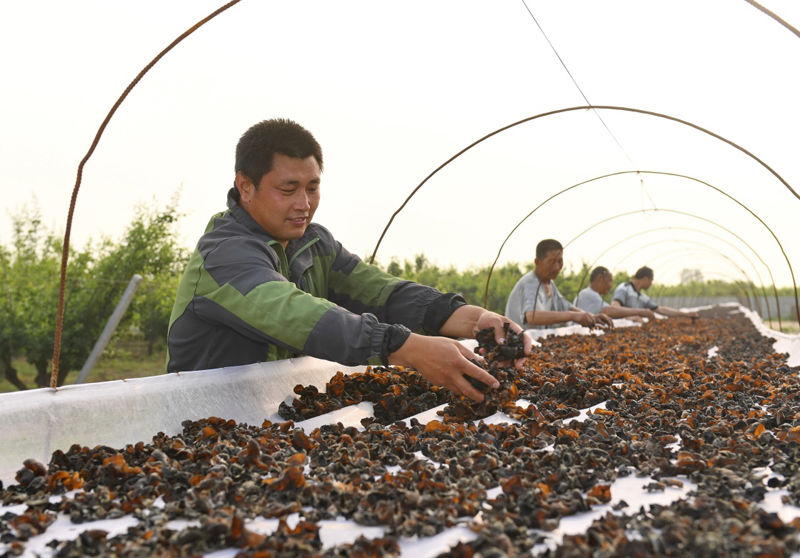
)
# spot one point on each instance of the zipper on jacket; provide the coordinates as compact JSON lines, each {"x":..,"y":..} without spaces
{"x":281,"y":257}
{"x":304,"y":281}
{"x":303,"y":248}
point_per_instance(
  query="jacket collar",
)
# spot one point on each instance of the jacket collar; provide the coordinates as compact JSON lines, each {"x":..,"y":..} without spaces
{"x":634,"y":288}
{"x":550,"y":282}
{"x":243,"y":217}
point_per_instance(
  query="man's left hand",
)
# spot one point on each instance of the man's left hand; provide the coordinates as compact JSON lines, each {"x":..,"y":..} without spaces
{"x":603,"y":320}
{"x":491,"y":319}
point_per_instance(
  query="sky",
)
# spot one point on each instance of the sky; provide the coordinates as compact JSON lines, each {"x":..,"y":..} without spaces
{"x":394,"y":90}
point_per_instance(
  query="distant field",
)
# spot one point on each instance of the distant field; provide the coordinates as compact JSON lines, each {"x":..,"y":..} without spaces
{"x":788,"y":326}
{"x":122,"y":359}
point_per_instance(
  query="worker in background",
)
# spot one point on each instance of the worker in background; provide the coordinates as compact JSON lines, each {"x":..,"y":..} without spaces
{"x":535,"y":300}
{"x":266,"y":282}
{"x":591,"y":300}
{"x":630,"y":294}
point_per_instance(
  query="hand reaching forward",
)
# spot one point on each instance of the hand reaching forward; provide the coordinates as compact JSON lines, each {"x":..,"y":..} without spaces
{"x":602,"y":320}
{"x":583,"y":318}
{"x":488,"y":319}
{"x":443,"y":362}
{"x":649,"y":314}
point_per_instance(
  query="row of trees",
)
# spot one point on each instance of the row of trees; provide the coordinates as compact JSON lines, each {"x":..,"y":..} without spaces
{"x":472,"y":283}
{"x":96,"y":278}
{"x":99,"y":273}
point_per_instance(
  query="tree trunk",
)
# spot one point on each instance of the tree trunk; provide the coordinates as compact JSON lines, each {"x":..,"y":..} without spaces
{"x":42,"y":374}
{"x":8,"y":370}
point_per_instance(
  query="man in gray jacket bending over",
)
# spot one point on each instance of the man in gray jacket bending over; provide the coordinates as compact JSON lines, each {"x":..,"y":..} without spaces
{"x":535,"y":300}
{"x":630,"y":295}
{"x":591,"y":300}
{"x":266,"y":282}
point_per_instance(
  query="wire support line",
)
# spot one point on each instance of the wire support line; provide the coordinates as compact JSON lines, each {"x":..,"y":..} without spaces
{"x":570,"y":109}
{"x":577,"y":86}
{"x":774,"y":16}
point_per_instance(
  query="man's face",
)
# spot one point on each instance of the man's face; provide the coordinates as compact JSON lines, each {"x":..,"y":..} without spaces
{"x":603,"y":283}
{"x":645,"y":283}
{"x":286,"y":198}
{"x":548,"y":267}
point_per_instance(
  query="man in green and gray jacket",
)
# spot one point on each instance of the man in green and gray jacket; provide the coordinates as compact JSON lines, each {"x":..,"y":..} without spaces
{"x":266,"y":283}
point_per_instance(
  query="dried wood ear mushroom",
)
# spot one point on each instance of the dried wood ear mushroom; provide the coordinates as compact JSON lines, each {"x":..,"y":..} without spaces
{"x":493,"y":352}
{"x":653,"y":401}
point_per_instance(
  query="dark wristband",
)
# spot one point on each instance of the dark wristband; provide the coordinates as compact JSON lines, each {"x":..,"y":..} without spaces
{"x":396,"y":335}
{"x":440,"y":311}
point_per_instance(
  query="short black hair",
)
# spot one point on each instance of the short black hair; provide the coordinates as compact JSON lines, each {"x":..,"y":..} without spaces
{"x":547,"y":245}
{"x":599,"y":271}
{"x":642,"y":272}
{"x":259,"y":144}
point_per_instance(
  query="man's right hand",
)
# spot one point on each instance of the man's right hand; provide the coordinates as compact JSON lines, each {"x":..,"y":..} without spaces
{"x":443,"y":362}
{"x":583,"y":318}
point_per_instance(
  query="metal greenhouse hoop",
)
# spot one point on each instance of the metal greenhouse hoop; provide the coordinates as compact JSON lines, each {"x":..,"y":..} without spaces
{"x":788,"y":263}
{"x":639,"y":233}
{"x":695,"y":243}
{"x":73,"y":199}
{"x":692,"y":215}
{"x":571,"y":109}
{"x":740,"y":285}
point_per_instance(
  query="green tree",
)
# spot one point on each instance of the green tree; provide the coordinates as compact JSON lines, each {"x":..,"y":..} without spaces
{"x":96,"y":278}
{"x":148,"y":248}
{"x":11,"y":325}
{"x":570,"y":282}
{"x":33,"y":289}
{"x":394,"y":268}
{"x":153,"y":305}
{"x":470,"y":283}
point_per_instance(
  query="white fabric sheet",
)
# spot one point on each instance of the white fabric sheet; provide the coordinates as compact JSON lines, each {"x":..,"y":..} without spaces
{"x":121,"y":412}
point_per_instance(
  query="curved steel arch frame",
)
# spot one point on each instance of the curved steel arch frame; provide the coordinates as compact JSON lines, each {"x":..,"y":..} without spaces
{"x":692,"y":215}
{"x":696,"y":243}
{"x":65,"y":248}
{"x":741,"y":285}
{"x":639,"y":233}
{"x":662,"y":173}
{"x":571,"y":109}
